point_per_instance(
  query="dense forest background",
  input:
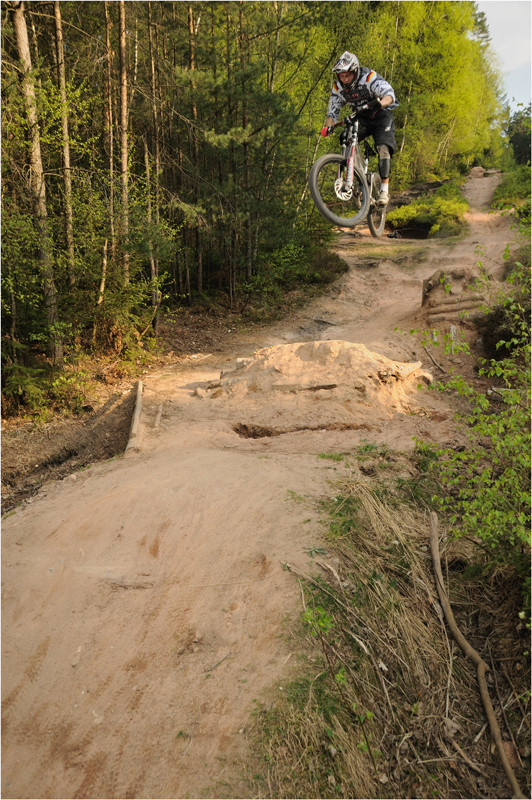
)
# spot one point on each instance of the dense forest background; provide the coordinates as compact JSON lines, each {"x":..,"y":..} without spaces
{"x":158,"y":152}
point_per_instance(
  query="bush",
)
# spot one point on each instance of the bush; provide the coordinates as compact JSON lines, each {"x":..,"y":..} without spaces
{"x":514,"y":192}
{"x":290,"y":268}
{"x":440,"y":214}
{"x":486,"y":486}
{"x":41,"y":391}
{"x":22,"y":387}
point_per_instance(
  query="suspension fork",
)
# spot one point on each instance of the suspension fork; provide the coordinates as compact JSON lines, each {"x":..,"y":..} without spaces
{"x":349,"y":150}
{"x":349,"y":154}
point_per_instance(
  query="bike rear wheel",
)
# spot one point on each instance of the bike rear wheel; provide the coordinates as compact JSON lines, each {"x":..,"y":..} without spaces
{"x":376,"y":213}
{"x":342,"y":206}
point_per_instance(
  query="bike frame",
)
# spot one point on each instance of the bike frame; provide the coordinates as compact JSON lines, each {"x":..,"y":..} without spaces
{"x":352,"y":153}
{"x":351,"y":150}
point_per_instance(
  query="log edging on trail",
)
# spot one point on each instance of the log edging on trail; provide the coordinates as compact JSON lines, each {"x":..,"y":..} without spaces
{"x":132,"y":443}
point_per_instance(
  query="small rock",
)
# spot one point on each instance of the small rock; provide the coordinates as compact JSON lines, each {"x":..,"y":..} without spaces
{"x":199,"y":392}
{"x":332,"y":750}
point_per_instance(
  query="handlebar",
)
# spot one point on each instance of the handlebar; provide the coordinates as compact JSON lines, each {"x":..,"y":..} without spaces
{"x":351,"y":118}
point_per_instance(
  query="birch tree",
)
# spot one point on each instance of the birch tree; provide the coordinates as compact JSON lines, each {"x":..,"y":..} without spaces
{"x":37,"y":183}
{"x":124,"y":173}
{"x":67,"y":175}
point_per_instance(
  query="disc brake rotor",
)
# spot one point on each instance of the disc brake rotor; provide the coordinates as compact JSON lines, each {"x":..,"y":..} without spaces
{"x":342,"y":191}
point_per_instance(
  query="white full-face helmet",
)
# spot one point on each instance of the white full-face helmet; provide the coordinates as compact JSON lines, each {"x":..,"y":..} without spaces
{"x":347,"y":62}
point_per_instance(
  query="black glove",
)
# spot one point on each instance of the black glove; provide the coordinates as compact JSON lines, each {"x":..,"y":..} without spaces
{"x":374,"y":104}
{"x":360,"y":108}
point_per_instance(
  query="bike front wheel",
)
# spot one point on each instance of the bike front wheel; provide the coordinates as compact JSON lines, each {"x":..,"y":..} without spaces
{"x":344,"y":206}
{"x":376,"y":213}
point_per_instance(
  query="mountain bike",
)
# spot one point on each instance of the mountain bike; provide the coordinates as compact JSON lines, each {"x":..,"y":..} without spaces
{"x":343,"y":188}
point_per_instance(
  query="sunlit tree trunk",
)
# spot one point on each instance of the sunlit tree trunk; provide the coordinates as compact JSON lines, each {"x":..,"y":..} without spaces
{"x":149,"y":219}
{"x":154,"y":262}
{"x":123,"y":140}
{"x":192,"y":65}
{"x":69,"y":216}
{"x":244,"y":58}
{"x":37,"y":184}
{"x":110,"y":130}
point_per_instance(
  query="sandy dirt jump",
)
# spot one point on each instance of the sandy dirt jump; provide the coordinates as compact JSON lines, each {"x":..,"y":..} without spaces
{"x":144,"y":599}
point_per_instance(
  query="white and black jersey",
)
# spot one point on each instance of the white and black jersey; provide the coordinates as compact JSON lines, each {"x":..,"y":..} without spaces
{"x":368,"y":86}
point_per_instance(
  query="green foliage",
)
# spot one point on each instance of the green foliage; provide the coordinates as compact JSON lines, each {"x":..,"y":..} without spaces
{"x":23,"y":386}
{"x":69,"y":391}
{"x":291,"y":267}
{"x":38,"y":392}
{"x":440,"y":214}
{"x":319,"y":621}
{"x":343,"y":511}
{"x":230,"y":142}
{"x":513,"y":191}
{"x":486,"y":486}
{"x":518,"y":132}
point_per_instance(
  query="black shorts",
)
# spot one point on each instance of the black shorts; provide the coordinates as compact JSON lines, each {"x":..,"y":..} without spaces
{"x":381,"y":127}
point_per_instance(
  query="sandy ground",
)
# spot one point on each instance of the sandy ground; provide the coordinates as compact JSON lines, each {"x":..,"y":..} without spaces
{"x":144,"y":600}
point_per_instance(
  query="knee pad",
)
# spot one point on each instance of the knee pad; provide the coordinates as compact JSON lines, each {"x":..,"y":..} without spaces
{"x":385,"y":167}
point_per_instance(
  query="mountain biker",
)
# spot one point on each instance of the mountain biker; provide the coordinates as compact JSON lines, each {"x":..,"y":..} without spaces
{"x":357,"y":86}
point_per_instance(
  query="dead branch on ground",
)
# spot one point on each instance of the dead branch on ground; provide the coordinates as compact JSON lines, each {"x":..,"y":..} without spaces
{"x":471,"y":653}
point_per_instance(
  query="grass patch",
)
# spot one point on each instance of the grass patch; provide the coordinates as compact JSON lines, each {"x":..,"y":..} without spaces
{"x":400,"y":254}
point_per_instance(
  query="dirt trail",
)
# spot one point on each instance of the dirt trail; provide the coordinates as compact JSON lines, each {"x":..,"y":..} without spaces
{"x":144,"y":599}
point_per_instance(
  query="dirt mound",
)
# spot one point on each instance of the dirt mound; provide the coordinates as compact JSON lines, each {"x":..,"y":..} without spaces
{"x":333,"y":372}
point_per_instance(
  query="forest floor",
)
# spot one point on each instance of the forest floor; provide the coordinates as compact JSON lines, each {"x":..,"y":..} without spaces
{"x":144,"y":599}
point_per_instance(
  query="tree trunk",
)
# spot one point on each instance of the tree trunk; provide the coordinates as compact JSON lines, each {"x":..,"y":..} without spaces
{"x":149,"y":219}
{"x":104,"y":275}
{"x":110,"y":131}
{"x":69,"y":216}
{"x":37,"y":185}
{"x":156,"y":136}
{"x":192,"y":65}
{"x":244,"y":60}
{"x":123,"y":140}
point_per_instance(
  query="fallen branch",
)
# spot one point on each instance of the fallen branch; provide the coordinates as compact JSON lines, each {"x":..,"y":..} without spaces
{"x":465,"y":757}
{"x":434,"y":360}
{"x":471,"y":653}
{"x":210,"y":669}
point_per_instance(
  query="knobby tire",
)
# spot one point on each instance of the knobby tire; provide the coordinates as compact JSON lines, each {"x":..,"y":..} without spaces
{"x":376,"y":214}
{"x":359,"y":182}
